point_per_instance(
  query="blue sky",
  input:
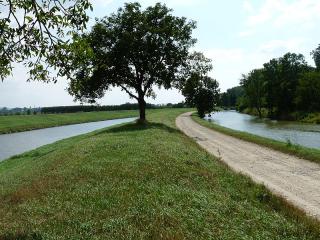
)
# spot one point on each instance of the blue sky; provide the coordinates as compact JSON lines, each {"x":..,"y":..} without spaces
{"x":238,"y":35}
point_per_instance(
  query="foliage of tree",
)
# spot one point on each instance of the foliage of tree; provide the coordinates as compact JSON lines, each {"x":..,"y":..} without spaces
{"x":253,"y":85}
{"x":134,"y":49}
{"x":201,"y":92}
{"x":231,"y":97}
{"x":308,"y":92}
{"x":32,"y":32}
{"x":316,"y":57}
{"x":283,"y":86}
{"x":282,"y":77}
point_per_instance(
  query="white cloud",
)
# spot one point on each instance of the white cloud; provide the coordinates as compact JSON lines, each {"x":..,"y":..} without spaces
{"x":246,"y":33}
{"x":247,"y":6}
{"x":225,"y":54}
{"x":276,"y":46}
{"x":101,"y":3}
{"x":230,"y":63}
{"x":281,"y":13}
{"x":176,"y":3}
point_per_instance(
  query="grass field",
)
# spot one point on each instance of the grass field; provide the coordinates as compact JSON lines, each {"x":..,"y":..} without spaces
{"x":18,"y":123}
{"x":138,"y":182}
{"x":299,"y":151}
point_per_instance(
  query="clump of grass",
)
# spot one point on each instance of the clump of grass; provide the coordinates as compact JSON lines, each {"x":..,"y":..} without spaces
{"x":289,"y":143}
{"x":138,"y":182}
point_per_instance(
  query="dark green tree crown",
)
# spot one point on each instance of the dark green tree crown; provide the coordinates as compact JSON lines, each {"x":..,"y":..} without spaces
{"x":133,"y":49}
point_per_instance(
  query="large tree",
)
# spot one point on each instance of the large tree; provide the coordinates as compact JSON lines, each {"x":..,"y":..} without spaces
{"x":34,"y":32}
{"x":282,"y":77}
{"x":308,"y":92}
{"x":134,"y":49}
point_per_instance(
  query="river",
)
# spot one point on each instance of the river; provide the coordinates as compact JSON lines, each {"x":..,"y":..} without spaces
{"x":307,"y":135}
{"x":17,"y":143}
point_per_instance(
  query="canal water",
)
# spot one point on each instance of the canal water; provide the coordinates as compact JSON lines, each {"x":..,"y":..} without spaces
{"x":17,"y":143}
{"x":307,"y":135}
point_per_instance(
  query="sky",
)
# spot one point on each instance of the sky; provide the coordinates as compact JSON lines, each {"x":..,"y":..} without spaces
{"x":238,"y":35}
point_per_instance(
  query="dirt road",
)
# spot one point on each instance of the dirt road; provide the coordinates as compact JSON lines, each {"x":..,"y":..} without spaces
{"x":295,"y":179}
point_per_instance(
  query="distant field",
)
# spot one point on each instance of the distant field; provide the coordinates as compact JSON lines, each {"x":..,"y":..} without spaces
{"x":18,"y":123}
{"x":138,"y":182}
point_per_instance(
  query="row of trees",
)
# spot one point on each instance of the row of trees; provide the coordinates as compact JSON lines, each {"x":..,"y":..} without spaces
{"x":96,"y":108}
{"x":284,"y":85}
{"x":230,"y":98}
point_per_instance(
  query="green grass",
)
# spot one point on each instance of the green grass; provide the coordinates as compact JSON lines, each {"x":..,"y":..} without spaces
{"x":312,"y":118}
{"x":18,"y":123}
{"x":296,"y":150}
{"x":138,"y":182}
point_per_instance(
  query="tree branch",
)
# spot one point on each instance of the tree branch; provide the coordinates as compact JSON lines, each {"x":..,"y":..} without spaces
{"x":127,"y":91}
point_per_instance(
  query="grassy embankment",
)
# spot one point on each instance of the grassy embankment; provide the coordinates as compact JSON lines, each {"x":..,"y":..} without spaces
{"x":138,"y":182}
{"x":18,"y":123}
{"x":299,"y":151}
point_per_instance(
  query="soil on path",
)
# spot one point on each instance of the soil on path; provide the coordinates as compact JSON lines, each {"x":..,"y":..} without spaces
{"x":297,"y":180}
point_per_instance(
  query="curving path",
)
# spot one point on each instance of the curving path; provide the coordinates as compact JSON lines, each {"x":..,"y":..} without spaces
{"x":295,"y":179}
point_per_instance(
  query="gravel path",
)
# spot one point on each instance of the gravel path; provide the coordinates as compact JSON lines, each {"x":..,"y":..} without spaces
{"x":295,"y":179}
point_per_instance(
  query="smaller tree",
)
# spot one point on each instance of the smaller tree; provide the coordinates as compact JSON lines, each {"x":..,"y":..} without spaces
{"x":201,"y":92}
{"x":316,"y":57}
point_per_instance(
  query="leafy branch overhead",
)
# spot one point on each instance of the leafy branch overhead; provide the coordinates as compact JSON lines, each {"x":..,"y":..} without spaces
{"x":33,"y":32}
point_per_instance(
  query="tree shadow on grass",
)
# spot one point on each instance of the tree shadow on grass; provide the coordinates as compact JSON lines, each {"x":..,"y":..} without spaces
{"x":21,"y":236}
{"x":134,"y":127}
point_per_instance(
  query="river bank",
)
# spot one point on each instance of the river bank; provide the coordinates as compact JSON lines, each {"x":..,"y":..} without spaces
{"x":295,"y":179}
{"x":138,"y":182}
{"x":12,"y":144}
{"x":286,"y":147}
{"x":21,"y":123}
{"x":303,"y":117}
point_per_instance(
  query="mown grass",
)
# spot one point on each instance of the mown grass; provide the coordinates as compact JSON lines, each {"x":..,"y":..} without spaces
{"x":296,"y":150}
{"x":18,"y":123}
{"x":138,"y":182}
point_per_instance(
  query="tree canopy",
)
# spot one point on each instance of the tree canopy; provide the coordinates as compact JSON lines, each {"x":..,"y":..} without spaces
{"x":34,"y":32}
{"x":134,"y":49}
{"x":200,"y":90}
{"x":316,"y":57}
{"x":284,"y":87}
{"x":253,"y":85}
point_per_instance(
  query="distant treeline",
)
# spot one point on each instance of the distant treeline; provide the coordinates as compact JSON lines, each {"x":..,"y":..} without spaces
{"x":93,"y":108}
{"x":230,"y":98}
{"x":283,"y":86}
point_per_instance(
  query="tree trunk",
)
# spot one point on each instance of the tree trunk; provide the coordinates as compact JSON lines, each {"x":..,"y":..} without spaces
{"x":259,"y":112}
{"x":142,"y":109}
